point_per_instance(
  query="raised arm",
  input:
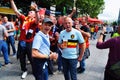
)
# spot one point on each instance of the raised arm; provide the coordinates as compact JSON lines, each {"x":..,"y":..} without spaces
{"x":100,"y":38}
{"x":37,"y":15}
{"x":73,"y":12}
{"x":15,"y":8}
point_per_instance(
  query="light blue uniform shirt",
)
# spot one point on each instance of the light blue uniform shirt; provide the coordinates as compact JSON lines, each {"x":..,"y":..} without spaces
{"x":41,"y":42}
{"x":73,"y":37}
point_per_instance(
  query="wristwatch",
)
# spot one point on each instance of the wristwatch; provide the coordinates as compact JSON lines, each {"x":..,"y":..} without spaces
{"x":47,"y":56}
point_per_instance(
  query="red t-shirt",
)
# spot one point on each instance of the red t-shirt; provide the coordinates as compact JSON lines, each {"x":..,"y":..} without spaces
{"x":96,"y":29}
{"x":25,"y":26}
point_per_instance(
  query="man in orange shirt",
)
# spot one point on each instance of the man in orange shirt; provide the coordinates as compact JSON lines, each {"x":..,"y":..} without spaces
{"x":28,"y":26}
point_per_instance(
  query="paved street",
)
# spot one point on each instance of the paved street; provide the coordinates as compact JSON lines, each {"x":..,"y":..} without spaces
{"x":94,"y":67}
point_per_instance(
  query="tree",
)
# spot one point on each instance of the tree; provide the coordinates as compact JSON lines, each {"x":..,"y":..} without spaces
{"x":114,"y":23}
{"x":90,"y":7}
{"x":87,"y":7}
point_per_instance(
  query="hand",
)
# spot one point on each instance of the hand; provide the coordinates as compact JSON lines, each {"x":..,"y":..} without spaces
{"x":77,"y":27}
{"x":34,"y":6}
{"x":63,"y":45}
{"x":74,"y":9}
{"x":56,"y":34}
{"x":52,"y":38}
{"x":103,"y":30}
{"x":79,"y":58}
{"x":53,"y":56}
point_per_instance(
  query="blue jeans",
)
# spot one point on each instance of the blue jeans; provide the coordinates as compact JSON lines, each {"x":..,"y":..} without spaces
{"x":44,"y":76}
{"x":69,"y":68}
{"x":82,"y":64}
{"x":59,"y":60}
{"x":86,"y":55}
{"x":11,"y":40}
{"x":4,"y":49}
{"x":45,"y":72}
{"x":38,"y":71}
{"x":94,"y":35}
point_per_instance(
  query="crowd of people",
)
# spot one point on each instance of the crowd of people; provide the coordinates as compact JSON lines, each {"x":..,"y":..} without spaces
{"x":46,"y":39}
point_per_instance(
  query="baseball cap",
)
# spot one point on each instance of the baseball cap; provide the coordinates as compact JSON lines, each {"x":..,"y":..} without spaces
{"x":47,"y":20}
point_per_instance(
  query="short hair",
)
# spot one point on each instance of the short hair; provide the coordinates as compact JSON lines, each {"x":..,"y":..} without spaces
{"x":67,"y":17}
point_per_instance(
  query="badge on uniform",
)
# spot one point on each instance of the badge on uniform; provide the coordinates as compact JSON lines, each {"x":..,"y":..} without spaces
{"x":72,"y":36}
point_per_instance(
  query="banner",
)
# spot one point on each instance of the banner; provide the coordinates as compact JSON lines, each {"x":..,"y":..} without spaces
{"x":5,"y":10}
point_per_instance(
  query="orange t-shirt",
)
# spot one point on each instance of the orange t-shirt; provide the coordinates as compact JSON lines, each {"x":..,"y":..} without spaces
{"x":86,"y":42}
{"x":25,"y":26}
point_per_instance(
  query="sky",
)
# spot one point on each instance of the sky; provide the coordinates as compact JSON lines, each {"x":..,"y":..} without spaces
{"x":111,"y":11}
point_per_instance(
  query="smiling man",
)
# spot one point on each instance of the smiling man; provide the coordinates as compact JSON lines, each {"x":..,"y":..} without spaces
{"x":41,"y":51}
{"x":70,"y":56}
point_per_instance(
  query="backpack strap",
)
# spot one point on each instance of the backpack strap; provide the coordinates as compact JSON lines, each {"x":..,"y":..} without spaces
{"x":45,"y":41}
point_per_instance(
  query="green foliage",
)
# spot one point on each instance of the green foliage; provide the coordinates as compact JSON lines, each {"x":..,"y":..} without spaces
{"x":85,"y":7}
{"x":114,"y":23}
{"x":90,"y":7}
